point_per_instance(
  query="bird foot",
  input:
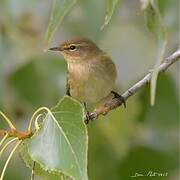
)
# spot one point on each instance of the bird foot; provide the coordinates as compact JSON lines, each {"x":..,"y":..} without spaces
{"x":88,"y":117}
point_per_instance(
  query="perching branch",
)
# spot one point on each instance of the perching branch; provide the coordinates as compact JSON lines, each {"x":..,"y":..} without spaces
{"x":114,"y":103}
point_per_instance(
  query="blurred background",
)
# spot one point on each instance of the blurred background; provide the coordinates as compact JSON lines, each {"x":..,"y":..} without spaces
{"x":137,"y":139}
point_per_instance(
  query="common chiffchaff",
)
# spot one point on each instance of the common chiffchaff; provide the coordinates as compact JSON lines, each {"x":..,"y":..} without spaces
{"x":91,"y":72}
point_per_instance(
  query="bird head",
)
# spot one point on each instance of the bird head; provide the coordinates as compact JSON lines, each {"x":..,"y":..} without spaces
{"x":78,"y":49}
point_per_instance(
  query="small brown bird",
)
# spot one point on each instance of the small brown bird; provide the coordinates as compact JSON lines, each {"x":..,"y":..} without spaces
{"x":91,"y":72}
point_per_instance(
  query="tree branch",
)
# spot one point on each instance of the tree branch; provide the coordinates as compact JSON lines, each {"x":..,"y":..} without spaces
{"x":14,"y":133}
{"x":114,"y":103}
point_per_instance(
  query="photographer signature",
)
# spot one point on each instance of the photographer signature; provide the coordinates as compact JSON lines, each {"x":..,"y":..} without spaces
{"x":150,"y":174}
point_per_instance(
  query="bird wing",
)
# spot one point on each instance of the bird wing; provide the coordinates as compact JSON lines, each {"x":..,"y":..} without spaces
{"x":109,"y":66}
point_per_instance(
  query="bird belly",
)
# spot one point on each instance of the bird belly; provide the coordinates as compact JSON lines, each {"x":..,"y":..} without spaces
{"x":92,"y":89}
{"x":91,"y":82}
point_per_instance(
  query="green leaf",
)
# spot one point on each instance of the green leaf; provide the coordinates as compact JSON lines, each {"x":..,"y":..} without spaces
{"x":38,"y":170}
{"x":60,"y":146}
{"x":110,"y":7}
{"x":59,"y":9}
{"x":155,"y":25}
{"x":160,"y":54}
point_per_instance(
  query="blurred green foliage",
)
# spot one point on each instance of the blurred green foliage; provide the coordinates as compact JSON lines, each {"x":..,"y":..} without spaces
{"x":139,"y":138}
{"x":38,"y":82}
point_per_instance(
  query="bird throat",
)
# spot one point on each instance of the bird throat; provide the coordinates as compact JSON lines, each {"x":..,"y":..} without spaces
{"x":78,"y":70}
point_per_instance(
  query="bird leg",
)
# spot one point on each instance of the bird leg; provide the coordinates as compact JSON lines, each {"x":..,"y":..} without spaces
{"x":117,"y":99}
{"x":87,"y":114}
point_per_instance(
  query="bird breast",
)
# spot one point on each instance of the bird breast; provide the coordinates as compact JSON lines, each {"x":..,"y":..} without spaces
{"x":91,"y":81}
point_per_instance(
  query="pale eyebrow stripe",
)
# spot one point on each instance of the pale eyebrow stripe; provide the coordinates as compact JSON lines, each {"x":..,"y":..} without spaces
{"x":73,"y":44}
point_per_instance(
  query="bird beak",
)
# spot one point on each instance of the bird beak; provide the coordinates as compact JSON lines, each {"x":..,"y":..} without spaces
{"x":54,"y":49}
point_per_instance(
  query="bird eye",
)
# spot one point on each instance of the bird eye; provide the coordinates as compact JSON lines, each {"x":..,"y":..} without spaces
{"x":72,"y":47}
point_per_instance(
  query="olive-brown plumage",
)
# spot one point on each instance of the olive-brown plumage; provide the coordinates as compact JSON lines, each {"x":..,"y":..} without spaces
{"x":91,"y":72}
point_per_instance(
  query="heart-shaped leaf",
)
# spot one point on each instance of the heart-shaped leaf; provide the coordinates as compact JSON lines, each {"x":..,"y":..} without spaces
{"x":60,"y":145}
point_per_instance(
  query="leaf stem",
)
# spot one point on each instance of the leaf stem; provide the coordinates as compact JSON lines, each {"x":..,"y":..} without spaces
{"x":8,"y":121}
{"x":32,"y":172}
{"x":6,"y":145}
{"x":36,"y":122}
{"x":9,"y":158}
{"x":35,"y":115}
{"x":3,"y":139}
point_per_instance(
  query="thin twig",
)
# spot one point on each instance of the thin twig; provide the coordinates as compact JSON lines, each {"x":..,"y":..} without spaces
{"x":15,"y":133}
{"x":8,"y":121}
{"x":114,"y":103}
{"x":22,"y":135}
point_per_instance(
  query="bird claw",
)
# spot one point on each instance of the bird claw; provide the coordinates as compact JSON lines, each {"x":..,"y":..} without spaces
{"x":88,"y":117}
